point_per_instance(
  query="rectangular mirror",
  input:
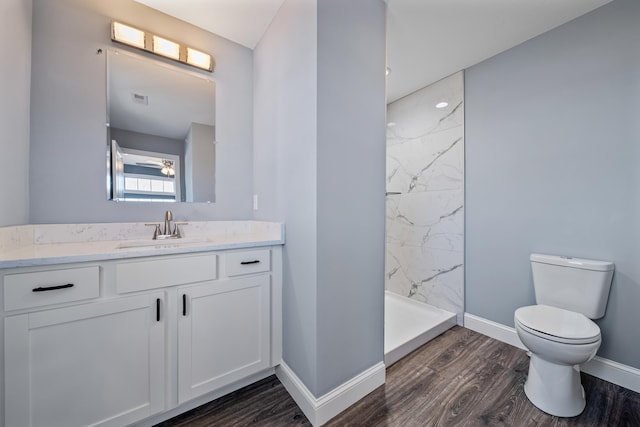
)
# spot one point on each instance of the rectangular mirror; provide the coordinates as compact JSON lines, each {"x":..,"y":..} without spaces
{"x":161,"y":131}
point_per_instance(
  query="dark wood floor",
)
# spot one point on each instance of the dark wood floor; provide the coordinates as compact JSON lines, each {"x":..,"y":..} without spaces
{"x":461,"y":378}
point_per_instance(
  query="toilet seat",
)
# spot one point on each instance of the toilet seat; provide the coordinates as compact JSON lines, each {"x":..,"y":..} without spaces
{"x":557,"y":324}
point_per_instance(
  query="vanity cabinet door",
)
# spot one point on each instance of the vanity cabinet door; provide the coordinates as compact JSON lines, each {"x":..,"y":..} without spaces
{"x":99,"y":364}
{"x":223,"y":333}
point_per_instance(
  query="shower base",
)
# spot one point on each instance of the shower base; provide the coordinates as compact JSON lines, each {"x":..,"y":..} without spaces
{"x":409,"y":324}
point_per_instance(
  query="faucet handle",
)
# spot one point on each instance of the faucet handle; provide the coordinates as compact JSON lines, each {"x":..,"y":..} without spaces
{"x":176,"y":230}
{"x":156,"y":230}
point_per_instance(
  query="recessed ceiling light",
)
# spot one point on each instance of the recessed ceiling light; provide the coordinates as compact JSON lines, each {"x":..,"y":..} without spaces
{"x":442,"y":104}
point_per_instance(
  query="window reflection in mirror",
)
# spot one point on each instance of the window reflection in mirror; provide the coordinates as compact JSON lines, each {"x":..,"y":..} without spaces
{"x":144,"y":176}
{"x":161,"y":134}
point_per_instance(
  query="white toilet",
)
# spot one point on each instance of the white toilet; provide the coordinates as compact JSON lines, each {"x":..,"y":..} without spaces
{"x":558,"y":331}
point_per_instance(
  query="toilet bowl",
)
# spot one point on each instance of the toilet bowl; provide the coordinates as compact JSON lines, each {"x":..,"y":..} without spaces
{"x":559,"y":340}
{"x":559,"y":332}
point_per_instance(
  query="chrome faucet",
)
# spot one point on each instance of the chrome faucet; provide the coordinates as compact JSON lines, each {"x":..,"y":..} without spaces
{"x":168,"y":217}
{"x":167,"y":233}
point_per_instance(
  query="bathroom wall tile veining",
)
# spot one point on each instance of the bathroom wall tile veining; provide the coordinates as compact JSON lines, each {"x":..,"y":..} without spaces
{"x":425,"y":221}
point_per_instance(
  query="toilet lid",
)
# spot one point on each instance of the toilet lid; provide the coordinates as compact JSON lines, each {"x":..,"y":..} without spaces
{"x":565,"y":325}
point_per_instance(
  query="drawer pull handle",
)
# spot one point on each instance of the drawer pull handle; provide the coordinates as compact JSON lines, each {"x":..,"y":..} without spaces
{"x":256,"y":261}
{"x":157,"y":309}
{"x":52,"y":288}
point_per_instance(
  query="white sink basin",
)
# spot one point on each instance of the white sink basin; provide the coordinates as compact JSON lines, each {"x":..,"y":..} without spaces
{"x":163,"y":243}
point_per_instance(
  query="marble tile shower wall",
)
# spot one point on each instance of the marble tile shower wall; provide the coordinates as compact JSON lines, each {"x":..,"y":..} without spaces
{"x":425,"y":221}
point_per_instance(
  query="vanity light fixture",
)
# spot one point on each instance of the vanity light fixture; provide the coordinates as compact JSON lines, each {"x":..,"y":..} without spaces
{"x":164,"y":47}
{"x":127,"y":35}
{"x":198,"y":59}
{"x":161,"y":46}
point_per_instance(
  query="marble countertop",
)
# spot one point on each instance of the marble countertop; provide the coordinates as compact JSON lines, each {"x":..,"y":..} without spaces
{"x":29,"y":246}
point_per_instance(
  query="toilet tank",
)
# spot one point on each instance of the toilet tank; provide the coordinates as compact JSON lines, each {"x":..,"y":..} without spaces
{"x":575,"y":284}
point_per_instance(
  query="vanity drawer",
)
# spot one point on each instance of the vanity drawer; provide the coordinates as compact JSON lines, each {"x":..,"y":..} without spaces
{"x":246,"y":262}
{"x":159,"y":273}
{"x":35,"y":289}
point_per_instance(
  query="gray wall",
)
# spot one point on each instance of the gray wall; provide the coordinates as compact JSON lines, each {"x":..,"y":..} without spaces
{"x":69,"y":110}
{"x":553,"y":132}
{"x":15,"y":71}
{"x":351,"y":184}
{"x":320,"y":137}
{"x":285,"y":88}
{"x":146,"y":142}
{"x":202,"y":155}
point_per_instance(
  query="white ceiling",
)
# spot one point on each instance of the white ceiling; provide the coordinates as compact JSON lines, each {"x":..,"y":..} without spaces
{"x":241,"y":21}
{"x":426,"y":39}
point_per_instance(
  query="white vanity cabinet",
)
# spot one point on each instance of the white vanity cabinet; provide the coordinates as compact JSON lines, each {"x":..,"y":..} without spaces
{"x":137,"y":337}
{"x":223,"y":333}
{"x":98,"y":363}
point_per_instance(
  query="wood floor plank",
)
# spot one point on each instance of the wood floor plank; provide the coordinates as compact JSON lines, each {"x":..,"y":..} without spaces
{"x":502,"y":396}
{"x":460,"y":378}
{"x":482,"y":383}
{"x":265,"y":403}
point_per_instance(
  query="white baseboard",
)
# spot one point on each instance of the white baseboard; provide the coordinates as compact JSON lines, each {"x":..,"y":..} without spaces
{"x":608,"y":370}
{"x":322,"y":409}
{"x":493,"y":329}
{"x":614,"y":372}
